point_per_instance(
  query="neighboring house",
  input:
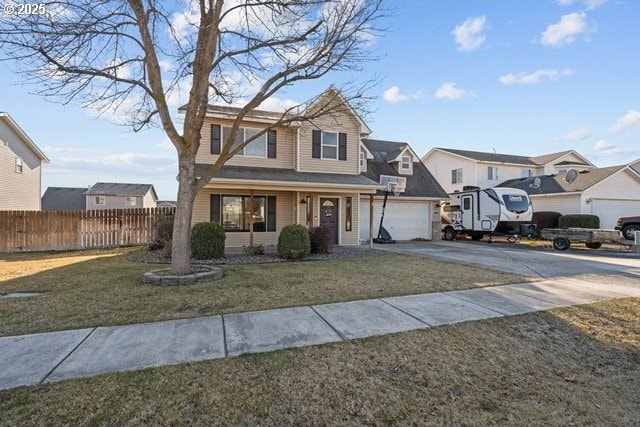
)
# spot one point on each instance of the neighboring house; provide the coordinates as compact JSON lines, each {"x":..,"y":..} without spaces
{"x":166,"y":204}
{"x":412,"y":214}
{"x":609,"y":192}
{"x":635,"y":165}
{"x":20,"y":168}
{"x":64,"y":199}
{"x":455,"y":169}
{"x":108,"y":195}
{"x":304,"y":173}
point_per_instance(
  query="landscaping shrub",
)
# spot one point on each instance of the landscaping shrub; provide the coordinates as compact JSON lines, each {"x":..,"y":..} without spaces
{"x":579,"y":220}
{"x":321,"y":240}
{"x":164,"y":234}
{"x":294,"y":242}
{"x":545,"y":219}
{"x":253,"y":250}
{"x":207,"y":240}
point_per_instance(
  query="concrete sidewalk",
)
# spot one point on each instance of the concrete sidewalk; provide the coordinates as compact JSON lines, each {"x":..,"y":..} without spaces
{"x":55,"y":356}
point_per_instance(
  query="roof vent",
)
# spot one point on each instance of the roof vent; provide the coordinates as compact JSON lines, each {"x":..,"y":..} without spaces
{"x":571,"y":176}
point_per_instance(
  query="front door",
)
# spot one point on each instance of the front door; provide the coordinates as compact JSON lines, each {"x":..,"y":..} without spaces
{"x":467,"y":212}
{"x":329,"y":216}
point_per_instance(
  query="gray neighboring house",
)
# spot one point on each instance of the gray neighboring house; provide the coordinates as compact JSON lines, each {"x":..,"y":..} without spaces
{"x":64,"y":199}
{"x":166,"y":203}
{"x":20,"y":168}
{"x":109,"y":195}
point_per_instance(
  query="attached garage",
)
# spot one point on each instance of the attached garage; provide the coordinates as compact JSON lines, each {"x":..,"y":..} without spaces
{"x":609,"y":210}
{"x":403,"y":219}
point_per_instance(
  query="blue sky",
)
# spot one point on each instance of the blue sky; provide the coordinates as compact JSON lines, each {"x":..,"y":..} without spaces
{"x":518,"y":77}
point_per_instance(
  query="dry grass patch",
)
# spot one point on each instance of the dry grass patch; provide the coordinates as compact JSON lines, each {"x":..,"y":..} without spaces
{"x":103,"y":288}
{"x":574,"y":366}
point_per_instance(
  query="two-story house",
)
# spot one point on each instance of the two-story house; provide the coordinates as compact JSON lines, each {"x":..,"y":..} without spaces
{"x":455,"y":169}
{"x":310,"y":173}
{"x":110,"y":195}
{"x":20,"y":167}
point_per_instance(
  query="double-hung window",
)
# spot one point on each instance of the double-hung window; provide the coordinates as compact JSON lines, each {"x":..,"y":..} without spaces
{"x":456,"y":176}
{"x":19,"y":164}
{"x":406,"y":162}
{"x":256,"y":148}
{"x":363,"y":161}
{"x":130,"y":201}
{"x":100,"y":200}
{"x":492,"y":173}
{"x":329,"y":145}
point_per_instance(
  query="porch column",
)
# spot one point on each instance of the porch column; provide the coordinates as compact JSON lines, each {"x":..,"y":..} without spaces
{"x":371,"y":221}
{"x":251,"y":218}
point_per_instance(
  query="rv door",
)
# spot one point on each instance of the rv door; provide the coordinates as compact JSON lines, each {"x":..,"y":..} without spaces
{"x":467,"y":212}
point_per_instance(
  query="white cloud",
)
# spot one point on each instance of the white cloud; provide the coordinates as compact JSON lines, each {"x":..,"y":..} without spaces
{"x":534,"y":77}
{"x":450,"y":91}
{"x":277,"y":104}
{"x":579,"y":134}
{"x":606,"y":149}
{"x":588,"y":4}
{"x":470,"y":34}
{"x":629,"y":121}
{"x":566,"y":30}
{"x":393,"y":95}
{"x":123,"y":163}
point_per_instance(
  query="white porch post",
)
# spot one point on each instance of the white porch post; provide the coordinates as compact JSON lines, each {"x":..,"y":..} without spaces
{"x":371,"y":221}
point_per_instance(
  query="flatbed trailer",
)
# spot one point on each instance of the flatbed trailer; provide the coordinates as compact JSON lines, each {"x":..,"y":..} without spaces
{"x":592,"y":238}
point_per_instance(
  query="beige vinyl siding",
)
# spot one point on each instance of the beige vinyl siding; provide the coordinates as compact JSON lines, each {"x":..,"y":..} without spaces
{"x":346,"y":237}
{"x":343,"y":122}
{"x":285,"y":215}
{"x":285,"y":147}
{"x":549,"y":168}
{"x":18,"y":191}
{"x":569,"y":204}
{"x":114,"y":202}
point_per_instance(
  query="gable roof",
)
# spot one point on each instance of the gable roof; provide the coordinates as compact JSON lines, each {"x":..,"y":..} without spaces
{"x":542,"y":160}
{"x":553,"y":184}
{"x":420,"y":184}
{"x":23,"y":136}
{"x":119,"y":189}
{"x":546,"y":158}
{"x":64,"y":199}
{"x":570,"y":163}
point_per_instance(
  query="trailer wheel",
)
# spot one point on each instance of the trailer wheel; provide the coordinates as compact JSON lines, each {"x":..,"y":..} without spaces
{"x":561,"y":243}
{"x":450,"y":233}
{"x":477,"y":236}
{"x":593,"y":245}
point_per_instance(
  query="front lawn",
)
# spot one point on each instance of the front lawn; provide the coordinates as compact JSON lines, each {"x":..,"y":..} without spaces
{"x":571,"y":366}
{"x":95,"y":288}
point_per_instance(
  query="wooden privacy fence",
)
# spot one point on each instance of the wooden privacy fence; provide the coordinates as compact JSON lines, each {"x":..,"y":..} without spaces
{"x":22,"y":231}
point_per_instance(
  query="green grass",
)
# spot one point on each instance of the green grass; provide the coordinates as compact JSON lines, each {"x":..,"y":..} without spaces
{"x":84,"y":289}
{"x":571,"y":366}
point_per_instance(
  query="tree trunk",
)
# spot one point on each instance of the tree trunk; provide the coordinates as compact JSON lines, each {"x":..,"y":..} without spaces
{"x":180,"y":248}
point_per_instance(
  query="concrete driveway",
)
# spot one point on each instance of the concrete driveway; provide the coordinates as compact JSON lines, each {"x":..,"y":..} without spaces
{"x":525,"y":261}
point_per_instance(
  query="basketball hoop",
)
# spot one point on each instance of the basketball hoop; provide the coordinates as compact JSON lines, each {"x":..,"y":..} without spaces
{"x":394,"y":188}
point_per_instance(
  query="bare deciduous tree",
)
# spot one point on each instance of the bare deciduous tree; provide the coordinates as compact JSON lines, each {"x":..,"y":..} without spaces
{"x":137,"y":56}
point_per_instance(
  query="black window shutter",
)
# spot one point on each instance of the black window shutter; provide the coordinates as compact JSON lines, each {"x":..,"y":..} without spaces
{"x":215,"y":208}
{"x":342,"y":146}
{"x":215,"y":139}
{"x":271,"y":213}
{"x":271,"y":144}
{"x":315,"y":147}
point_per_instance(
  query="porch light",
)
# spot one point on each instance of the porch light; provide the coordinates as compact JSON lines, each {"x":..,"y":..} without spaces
{"x":303,"y":201}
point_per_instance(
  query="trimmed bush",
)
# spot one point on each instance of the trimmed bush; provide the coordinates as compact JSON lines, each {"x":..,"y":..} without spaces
{"x":164,"y":234}
{"x":321,"y":240}
{"x":294,"y":242}
{"x":579,"y":220}
{"x":207,"y":240}
{"x":253,"y":250}
{"x":545,"y":219}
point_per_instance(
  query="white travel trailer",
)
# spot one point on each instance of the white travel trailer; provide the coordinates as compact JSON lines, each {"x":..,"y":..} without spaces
{"x":493,"y":211}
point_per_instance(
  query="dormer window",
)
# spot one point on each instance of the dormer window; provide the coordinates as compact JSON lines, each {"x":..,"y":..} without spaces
{"x":406,"y":162}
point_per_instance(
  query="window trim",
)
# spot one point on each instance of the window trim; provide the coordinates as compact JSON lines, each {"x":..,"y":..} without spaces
{"x":128,"y":198}
{"x":19,"y":165}
{"x":402,"y":159}
{"x":362,"y":161}
{"x":337,"y":146}
{"x":99,"y":200}
{"x":458,"y":176}
{"x":245,"y":202}
{"x":492,"y":173}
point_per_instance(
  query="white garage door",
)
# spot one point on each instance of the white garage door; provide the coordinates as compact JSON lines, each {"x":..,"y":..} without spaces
{"x":610,"y":210}
{"x":404,"y":220}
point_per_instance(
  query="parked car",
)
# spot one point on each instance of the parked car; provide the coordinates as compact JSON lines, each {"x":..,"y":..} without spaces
{"x":628,"y":225}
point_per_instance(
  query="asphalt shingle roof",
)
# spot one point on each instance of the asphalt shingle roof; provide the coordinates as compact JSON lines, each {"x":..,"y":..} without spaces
{"x":420,"y":184}
{"x":550,"y":184}
{"x":119,"y":189}
{"x":287,"y":175}
{"x":64,"y":199}
{"x":506,"y":158}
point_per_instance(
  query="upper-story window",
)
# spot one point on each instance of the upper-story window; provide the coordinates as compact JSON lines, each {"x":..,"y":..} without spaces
{"x":406,"y":162}
{"x":363,"y":161}
{"x":99,"y":200}
{"x":456,"y":176}
{"x":492,"y":173}
{"x":329,"y":145}
{"x":19,"y":164}
{"x":130,"y":201}
{"x":256,"y":148}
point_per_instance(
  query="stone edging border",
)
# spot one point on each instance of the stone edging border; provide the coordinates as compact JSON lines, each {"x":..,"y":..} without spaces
{"x":154,"y":278}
